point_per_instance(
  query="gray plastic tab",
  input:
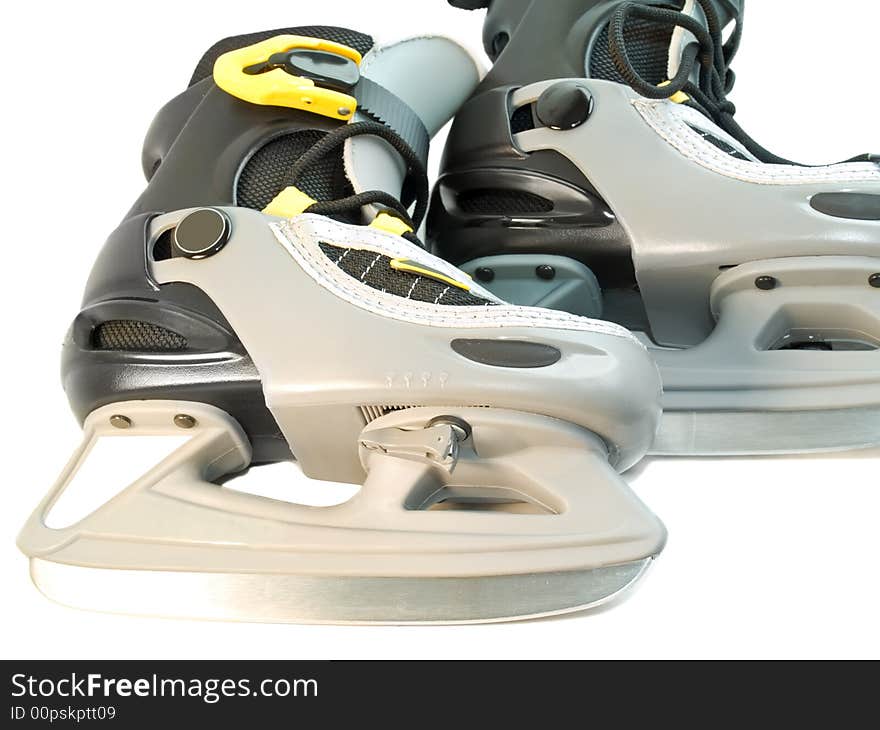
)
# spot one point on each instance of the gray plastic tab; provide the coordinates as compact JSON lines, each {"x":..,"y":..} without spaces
{"x":855,"y":206}
{"x":508,"y":353}
{"x":518,"y":278}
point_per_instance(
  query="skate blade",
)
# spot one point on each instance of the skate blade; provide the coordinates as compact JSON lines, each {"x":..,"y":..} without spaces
{"x":767,"y":433}
{"x":333,"y":600}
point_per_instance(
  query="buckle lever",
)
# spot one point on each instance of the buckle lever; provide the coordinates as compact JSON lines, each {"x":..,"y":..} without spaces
{"x":328,"y":70}
{"x":297,"y":72}
{"x":436,"y":444}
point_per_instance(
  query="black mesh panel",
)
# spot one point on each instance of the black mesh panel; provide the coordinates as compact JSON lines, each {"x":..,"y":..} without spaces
{"x":647,"y":46}
{"x":162,"y":247}
{"x":522,"y":119}
{"x":502,"y":202}
{"x":374,"y":270}
{"x":267,"y":172}
{"x":135,"y":336}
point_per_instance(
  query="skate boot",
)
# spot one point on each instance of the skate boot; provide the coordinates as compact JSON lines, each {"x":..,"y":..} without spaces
{"x":598,"y":169}
{"x":266,"y":298}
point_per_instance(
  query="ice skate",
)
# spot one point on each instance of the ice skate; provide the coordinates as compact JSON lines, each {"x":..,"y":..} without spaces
{"x":598,"y":169}
{"x":266,"y":299}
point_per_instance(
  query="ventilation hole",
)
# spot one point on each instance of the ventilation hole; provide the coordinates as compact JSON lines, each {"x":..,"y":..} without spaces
{"x":502,"y":202}
{"x":809,"y":345}
{"x":162,"y":246}
{"x":522,"y":119}
{"x":133,"y":336}
{"x":839,"y":340}
{"x":478,"y":499}
{"x":833,"y":327}
{"x":372,"y":413}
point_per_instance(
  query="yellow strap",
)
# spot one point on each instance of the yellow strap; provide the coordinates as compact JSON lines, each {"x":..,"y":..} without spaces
{"x":289,"y":202}
{"x":679,"y":97}
{"x":414,"y":267}
{"x":390,"y":224}
{"x":279,"y":88}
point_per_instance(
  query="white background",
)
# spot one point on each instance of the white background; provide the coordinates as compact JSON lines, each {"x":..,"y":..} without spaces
{"x":766,"y":558}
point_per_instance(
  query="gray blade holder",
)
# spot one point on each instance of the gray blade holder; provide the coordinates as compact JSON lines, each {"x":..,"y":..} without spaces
{"x":406,"y":549}
{"x":492,"y":493}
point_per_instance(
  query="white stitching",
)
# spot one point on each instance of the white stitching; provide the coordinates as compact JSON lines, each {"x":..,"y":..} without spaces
{"x":505,"y":315}
{"x":298,"y":236}
{"x":663,"y":117}
{"x":370,"y":239}
{"x":370,"y":267}
{"x":441,"y":295}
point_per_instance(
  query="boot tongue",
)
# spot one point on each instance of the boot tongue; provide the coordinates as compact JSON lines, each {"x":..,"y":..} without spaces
{"x":433,"y":76}
{"x":727,"y":10}
{"x":682,"y":38}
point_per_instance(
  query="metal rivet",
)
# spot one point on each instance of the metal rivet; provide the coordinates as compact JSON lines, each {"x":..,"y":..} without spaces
{"x":484,"y":274}
{"x":874,"y":280}
{"x":343,"y":111}
{"x":181,"y":420}
{"x":120,"y":422}
{"x":766,"y":283}
{"x":545,"y":272}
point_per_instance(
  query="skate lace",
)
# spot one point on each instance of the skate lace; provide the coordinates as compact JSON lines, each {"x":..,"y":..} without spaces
{"x":710,"y":52}
{"x":415,"y":186}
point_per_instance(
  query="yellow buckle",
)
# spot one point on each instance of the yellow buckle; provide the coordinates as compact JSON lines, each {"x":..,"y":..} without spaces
{"x":279,"y":88}
{"x":414,"y":267}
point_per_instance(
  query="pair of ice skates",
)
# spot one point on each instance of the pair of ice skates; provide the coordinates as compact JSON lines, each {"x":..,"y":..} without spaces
{"x":267,"y":297}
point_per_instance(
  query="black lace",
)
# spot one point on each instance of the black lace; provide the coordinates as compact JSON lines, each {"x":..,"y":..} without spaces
{"x":416,"y":175}
{"x":714,"y":56}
